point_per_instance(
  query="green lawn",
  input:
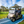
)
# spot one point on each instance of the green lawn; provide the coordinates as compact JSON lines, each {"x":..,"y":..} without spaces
{"x":4,"y":14}
{"x":22,"y":12}
{"x":21,"y":22}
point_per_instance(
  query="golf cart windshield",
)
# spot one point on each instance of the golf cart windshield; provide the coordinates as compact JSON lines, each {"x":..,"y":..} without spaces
{"x":12,"y":10}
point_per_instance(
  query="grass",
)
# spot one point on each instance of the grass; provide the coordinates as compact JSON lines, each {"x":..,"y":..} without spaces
{"x":22,"y":12}
{"x":21,"y":22}
{"x":4,"y":14}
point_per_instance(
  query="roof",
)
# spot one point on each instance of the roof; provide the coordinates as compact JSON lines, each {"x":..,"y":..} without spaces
{"x":15,"y":6}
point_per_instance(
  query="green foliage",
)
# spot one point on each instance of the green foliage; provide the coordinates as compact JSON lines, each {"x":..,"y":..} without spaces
{"x":22,"y":9}
{"x":4,"y":9}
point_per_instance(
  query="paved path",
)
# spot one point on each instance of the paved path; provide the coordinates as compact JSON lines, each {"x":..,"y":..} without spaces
{"x":8,"y":21}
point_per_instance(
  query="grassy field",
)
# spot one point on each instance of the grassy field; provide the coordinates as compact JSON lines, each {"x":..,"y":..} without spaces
{"x":4,"y":14}
{"x":21,"y":22}
{"x":22,"y":12}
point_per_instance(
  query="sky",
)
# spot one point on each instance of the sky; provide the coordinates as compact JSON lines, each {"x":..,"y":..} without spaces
{"x":9,"y":3}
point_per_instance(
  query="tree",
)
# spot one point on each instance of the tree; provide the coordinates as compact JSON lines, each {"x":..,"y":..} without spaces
{"x":22,"y":9}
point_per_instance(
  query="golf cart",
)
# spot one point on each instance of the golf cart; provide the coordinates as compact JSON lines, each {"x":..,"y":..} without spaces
{"x":14,"y":13}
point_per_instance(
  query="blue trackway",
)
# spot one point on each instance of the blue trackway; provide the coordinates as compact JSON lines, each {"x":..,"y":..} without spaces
{"x":8,"y":21}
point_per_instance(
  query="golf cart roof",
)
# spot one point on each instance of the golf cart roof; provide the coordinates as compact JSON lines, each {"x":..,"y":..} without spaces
{"x":15,"y":6}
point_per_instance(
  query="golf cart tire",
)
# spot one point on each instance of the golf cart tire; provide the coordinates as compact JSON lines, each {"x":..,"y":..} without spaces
{"x":21,"y":16}
{"x":12,"y":20}
{"x":7,"y":16}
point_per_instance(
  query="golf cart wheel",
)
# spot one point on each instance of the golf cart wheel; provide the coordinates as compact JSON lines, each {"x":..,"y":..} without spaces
{"x":21,"y":16}
{"x":13,"y":20}
{"x":7,"y":16}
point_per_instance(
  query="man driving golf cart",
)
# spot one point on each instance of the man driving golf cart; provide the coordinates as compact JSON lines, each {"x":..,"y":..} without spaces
{"x":14,"y":13}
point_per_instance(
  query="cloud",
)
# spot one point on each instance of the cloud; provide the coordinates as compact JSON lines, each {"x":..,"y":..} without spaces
{"x":0,"y":3}
{"x":3,"y":2}
{"x":13,"y":1}
{"x":6,"y":4}
{"x":10,"y":3}
{"x":21,"y":3}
